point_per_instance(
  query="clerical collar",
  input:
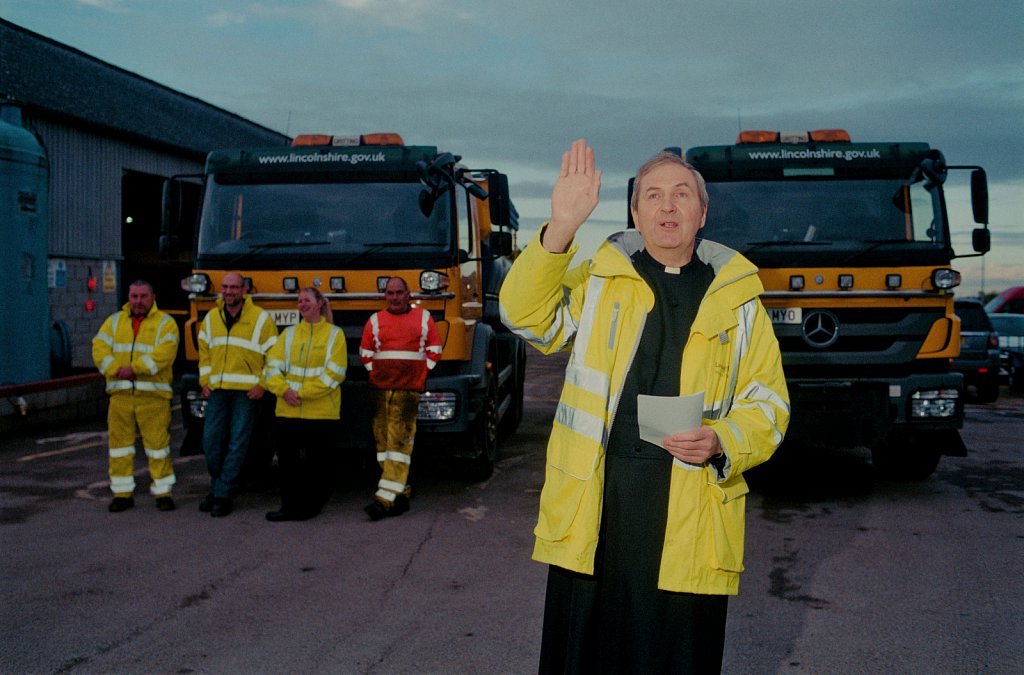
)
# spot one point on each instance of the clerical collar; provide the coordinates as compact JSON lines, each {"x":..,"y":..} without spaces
{"x":649,"y":259}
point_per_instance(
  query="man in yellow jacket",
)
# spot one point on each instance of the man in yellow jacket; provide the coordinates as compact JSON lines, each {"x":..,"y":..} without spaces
{"x":135,"y":349}
{"x":234,"y":339}
{"x":645,"y":540}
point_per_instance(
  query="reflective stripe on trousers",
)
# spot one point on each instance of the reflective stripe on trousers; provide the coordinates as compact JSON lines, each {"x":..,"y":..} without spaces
{"x":394,"y":430}
{"x":151,"y":416}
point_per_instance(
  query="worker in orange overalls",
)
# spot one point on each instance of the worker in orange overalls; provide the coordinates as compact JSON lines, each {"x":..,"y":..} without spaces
{"x":400,"y":345}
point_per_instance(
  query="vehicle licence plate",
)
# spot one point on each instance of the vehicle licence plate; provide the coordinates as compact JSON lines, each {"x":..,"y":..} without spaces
{"x":786,"y":315}
{"x":285,"y":317}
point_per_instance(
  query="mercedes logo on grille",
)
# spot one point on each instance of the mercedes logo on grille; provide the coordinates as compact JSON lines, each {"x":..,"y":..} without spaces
{"x":820,"y":329}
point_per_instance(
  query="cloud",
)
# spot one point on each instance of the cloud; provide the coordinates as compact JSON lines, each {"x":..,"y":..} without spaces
{"x":225,"y":18}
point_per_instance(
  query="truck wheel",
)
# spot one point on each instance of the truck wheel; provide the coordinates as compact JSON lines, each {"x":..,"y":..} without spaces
{"x":484,"y":437}
{"x":514,"y":414}
{"x":907,"y":456}
{"x":988,"y":389}
{"x":1016,"y":383}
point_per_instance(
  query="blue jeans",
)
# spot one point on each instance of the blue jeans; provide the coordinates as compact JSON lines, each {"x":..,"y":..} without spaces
{"x":230,"y":418}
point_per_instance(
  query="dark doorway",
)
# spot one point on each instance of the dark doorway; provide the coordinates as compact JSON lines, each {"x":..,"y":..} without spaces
{"x":141,"y":195}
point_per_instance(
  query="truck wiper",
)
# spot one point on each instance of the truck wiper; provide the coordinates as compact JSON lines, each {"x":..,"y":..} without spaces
{"x":372,"y":246}
{"x":255,"y":248}
{"x":875,"y":243}
{"x":399,"y":244}
{"x":760,"y":244}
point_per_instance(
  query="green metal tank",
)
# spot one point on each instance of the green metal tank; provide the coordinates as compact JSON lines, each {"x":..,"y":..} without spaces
{"x":24,"y":247}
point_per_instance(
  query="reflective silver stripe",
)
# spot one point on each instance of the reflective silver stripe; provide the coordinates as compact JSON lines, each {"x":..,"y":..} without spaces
{"x":289,"y":338}
{"x":158,"y":454}
{"x":400,"y":355}
{"x":235,"y":341}
{"x":169,"y":336}
{"x":105,"y":363}
{"x":128,"y":347}
{"x":122,"y":483}
{"x":562,"y":321}
{"x":394,"y":456}
{"x":257,"y":331}
{"x":580,"y":422}
{"x":336,"y":369}
{"x":375,"y":331}
{"x":109,"y":339}
{"x":391,"y":486}
{"x":385,"y":495}
{"x":588,"y":379}
{"x":162,"y":485}
{"x":205,"y":370}
{"x":306,"y":373}
{"x":151,"y":386}
{"x":205,"y":329}
{"x":125,"y":451}
{"x":234,"y":378}
{"x":590,"y":305}
{"x":424,"y":326}
{"x":150,"y":364}
{"x":766,"y":400}
{"x":275,"y":363}
{"x":117,"y":385}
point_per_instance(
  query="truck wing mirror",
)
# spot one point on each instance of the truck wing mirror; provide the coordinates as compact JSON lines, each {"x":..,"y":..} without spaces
{"x":168,"y":247}
{"x":979,"y":197}
{"x":500,"y":204}
{"x":500,"y":243}
{"x":981,"y":238}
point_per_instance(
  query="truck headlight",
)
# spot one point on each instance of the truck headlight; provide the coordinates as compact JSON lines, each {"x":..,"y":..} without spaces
{"x":433,"y":281}
{"x":934,"y":403}
{"x":196,"y":404}
{"x":197,"y":283}
{"x":437,"y":406}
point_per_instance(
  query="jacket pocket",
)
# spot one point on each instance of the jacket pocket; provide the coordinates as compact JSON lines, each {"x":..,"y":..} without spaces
{"x":561,"y":498}
{"x":726,"y":510}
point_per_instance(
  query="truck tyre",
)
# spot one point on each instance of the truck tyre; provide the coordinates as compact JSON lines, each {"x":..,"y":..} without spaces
{"x":484,"y":436}
{"x":1016,"y":380}
{"x":907,"y":456}
{"x":514,"y":414}
{"x":988,"y":389}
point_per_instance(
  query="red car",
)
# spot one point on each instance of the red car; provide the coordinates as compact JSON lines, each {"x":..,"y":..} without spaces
{"x":1010,"y":301}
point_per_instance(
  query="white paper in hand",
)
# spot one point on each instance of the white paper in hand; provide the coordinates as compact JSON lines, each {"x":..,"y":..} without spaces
{"x":661,"y":416}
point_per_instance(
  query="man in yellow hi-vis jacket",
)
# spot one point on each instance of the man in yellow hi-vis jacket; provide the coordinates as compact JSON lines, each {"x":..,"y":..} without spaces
{"x":135,"y":349}
{"x":234,"y":339}
{"x":645,"y":540}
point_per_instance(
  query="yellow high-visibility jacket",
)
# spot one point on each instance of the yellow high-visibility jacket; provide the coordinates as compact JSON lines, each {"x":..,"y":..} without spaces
{"x":234,"y":359}
{"x":311,"y":360}
{"x":150,"y":353}
{"x":731,"y":355}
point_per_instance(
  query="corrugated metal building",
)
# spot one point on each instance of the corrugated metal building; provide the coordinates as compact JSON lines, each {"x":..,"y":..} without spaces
{"x":111,"y":138}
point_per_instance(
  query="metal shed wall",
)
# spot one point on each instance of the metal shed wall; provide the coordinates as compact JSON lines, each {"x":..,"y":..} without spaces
{"x":85,"y":185}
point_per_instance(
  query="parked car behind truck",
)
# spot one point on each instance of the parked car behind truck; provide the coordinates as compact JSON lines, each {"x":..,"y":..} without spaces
{"x":1010,"y":328}
{"x":979,"y":350}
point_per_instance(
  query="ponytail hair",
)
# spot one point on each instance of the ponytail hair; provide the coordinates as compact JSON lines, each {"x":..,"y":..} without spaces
{"x":322,"y":301}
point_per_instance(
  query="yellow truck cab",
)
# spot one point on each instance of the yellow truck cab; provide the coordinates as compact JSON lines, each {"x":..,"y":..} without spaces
{"x":345,"y":214}
{"x":854,"y":247}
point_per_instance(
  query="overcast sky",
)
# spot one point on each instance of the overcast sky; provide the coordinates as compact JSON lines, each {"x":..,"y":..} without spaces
{"x":508,"y":85}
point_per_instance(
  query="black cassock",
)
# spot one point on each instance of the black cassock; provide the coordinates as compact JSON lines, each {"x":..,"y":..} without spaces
{"x":617,"y":621}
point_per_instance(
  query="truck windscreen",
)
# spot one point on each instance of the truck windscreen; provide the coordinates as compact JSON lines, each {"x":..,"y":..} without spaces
{"x":321,"y":222}
{"x":830,"y":219}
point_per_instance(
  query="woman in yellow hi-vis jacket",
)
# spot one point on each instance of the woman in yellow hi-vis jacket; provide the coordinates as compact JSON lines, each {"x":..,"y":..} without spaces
{"x":645,"y":541}
{"x":305,"y":369}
